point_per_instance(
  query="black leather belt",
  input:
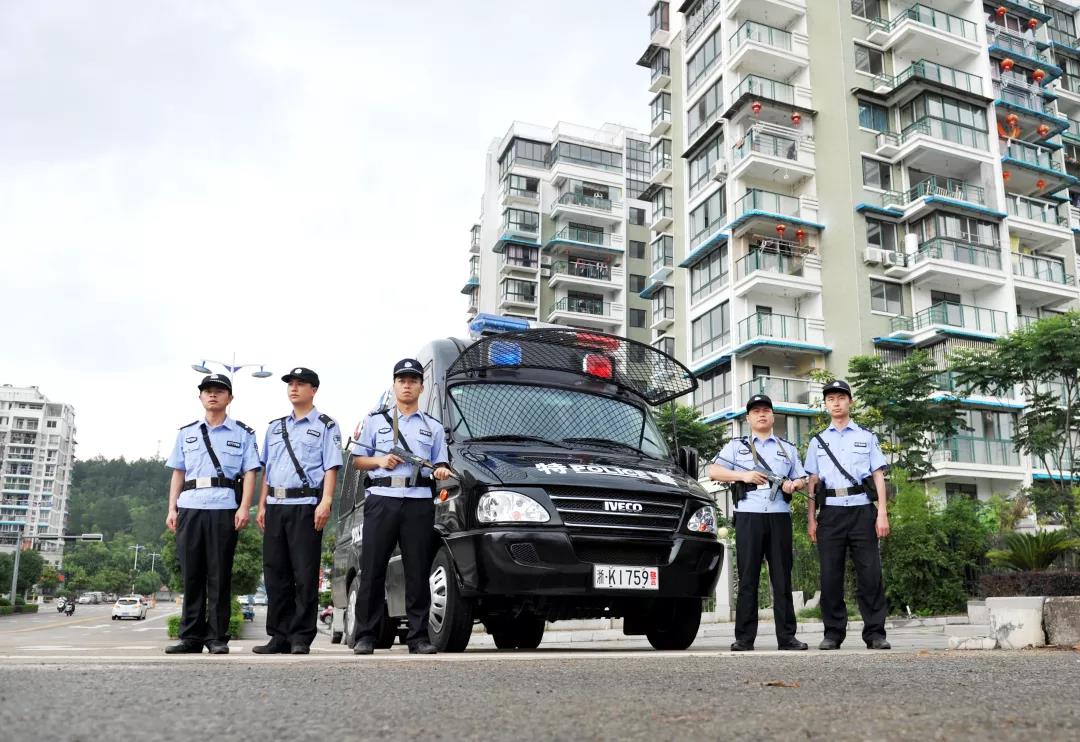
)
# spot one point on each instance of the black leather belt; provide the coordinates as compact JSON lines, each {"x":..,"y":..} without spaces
{"x":203,"y":482}
{"x":282,"y":493}
{"x":399,"y":482}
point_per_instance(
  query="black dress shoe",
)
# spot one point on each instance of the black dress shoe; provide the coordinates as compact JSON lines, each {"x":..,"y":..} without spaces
{"x":422,"y":647}
{"x":217,"y":647}
{"x":878,"y":643}
{"x":364,"y":646}
{"x":741,"y":646}
{"x":271,"y":647}
{"x":184,"y":648}
{"x":792,"y":645}
{"x":827,"y":644}
{"x":300,"y":649}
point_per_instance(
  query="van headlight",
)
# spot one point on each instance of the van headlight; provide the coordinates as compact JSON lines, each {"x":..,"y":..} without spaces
{"x":703,"y":521}
{"x":499,"y":506}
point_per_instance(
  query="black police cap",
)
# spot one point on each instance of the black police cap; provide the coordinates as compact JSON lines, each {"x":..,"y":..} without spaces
{"x":408,"y":367}
{"x":836,"y":386}
{"x":758,"y":400}
{"x":302,"y":374}
{"x":219,"y":380}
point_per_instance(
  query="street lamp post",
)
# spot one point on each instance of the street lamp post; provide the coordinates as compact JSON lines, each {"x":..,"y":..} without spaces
{"x":231,"y":368}
{"x":137,"y":548}
{"x":15,"y":566}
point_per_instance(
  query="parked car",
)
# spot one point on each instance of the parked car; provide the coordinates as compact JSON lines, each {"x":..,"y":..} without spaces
{"x":84,"y":600}
{"x":129,"y":606}
{"x":260,"y":599}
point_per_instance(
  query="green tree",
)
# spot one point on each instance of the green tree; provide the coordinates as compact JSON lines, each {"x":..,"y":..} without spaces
{"x":147,"y":583}
{"x":1033,"y":551}
{"x":247,"y":562}
{"x":49,"y":580}
{"x":690,"y":431}
{"x":1042,"y":360}
{"x":31,"y":564}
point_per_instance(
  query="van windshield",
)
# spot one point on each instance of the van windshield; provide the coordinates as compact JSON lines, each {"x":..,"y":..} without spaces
{"x":554,"y":414}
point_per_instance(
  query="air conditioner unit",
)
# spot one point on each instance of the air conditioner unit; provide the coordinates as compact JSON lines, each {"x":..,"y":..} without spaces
{"x":890,"y":258}
{"x":872,"y":255}
{"x":719,"y":171}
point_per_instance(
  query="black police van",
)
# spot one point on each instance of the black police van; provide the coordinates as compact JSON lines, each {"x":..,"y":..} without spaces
{"x":568,"y":503}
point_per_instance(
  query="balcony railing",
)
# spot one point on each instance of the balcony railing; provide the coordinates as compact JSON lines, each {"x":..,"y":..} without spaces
{"x":948,"y":188}
{"x":773,"y":261}
{"x":774,"y":203}
{"x":1070,"y":82}
{"x":927,"y":70}
{"x":1030,"y":153}
{"x":595,"y":270}
{"x":1008,"y":40}
{"x":661,"y":115}
{"x":919,"y":13}
{"x":661,"y":162}
{"x":944,"y":248}
{"x":775,"y":90}
{"x":588,"y":236}
{"x":963,"y":316}
{"x":778,"y":326}
{"x":1035,"y":209}
{"x":948,"y":130}
{"x":522,"y":193}
{"x":964,"y":449}
{"x":519,"y":297}
{"x":1029,"y":99}
{"x":1041,"y":269}
{"x":579,"y":305}
{"x":778,"y":389}
{"x":1063,"y":38}
{"x":766,"y":143}
{"x":762,"y":34}
{"x":571,"y":198}
{"x":698,"y":21}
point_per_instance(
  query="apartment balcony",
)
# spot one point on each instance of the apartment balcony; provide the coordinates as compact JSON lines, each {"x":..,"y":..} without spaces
{"x":1003,"y":43}
{"x":1068,"y":89}
{"x":662,"y":219}
{"x":1042,"y":281}
{"x":950,"y":318}
{"x":521,"y":266}
{"x":518,"y":301}
{"x":579,"y":207}
{"x":979,"y":457}
{"x":661,"y":168}
{"x":944,"y":263}
{"x":757,"y":205}
{"x":1061,"y":38}
{"x":780,"y":331}
{"x":777,"y":12}
{"x":935,"y":192}
{"x":1032,"y":169}
{"x":518,"y":197}
{"x":661,"y":122}
{"x":580,"y":312}
{"x":778,"y":269}
{"x":769,"y":152}
{"x":588,"y":239}
{"x":799,"y":393}
{"x":935,"y":144}
{"x":768,"y":91}
{"x":565,"y":167}
{"x":768,"y":51}
{"x":1040,"y":222}
{"x":586,"y":274}
{"x":660,"y":77}
{"x":921,"y":32}
{"x":471,"y":285}
{"x":923,"y":75}
{"x":517,"y":234}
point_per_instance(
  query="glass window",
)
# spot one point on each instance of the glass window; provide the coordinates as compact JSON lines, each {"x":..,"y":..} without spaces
{"x":526,"y":152}
{"x":701,"y":163}
{"x":580,"y":154}
{"x":713,"y":393}
{"x":517,"y":290}
{"x":703,"y":60}
{"x":637,"y":283}
{"x":866,"y":8}
{"x":956,"y":227}
{"x":638,"y":317}
{"x":711,"y":331}
{"x":663,"y":248}
{"x":873,"y":116}
{"x":706,"y":109}
{"x":869,"y":60}
{"x":637,"y":249}
{"x":658,"y":17}
{"x":706,"y":218}
{"x":637,"y":216}
{"x":709,"y":275}
{"x":521,"y":221}
{"x":885,"y":297}
{"x":881,"y":234}
{"x":661,"y":204}
{"x":876,"y":174}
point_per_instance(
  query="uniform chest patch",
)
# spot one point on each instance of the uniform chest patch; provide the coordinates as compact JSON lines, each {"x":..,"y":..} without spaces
{"x":314,"y":433}
{"x":384,"y":430}
{"x":744,"y":450}
{"x":192,"y":439}
{"x":233,"y":444}
{"x":426,"y":432}
{"x":781,"y":453}
{"x":860,"y":444}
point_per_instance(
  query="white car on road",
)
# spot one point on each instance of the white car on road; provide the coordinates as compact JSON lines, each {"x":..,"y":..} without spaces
{"x":129,"y":607}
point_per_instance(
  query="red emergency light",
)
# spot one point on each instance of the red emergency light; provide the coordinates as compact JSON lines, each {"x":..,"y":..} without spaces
{"x":599,"y":366}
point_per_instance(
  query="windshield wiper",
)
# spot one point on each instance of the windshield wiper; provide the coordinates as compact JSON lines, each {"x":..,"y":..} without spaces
{"x":607,"y":442}
{"x":513,"y":438}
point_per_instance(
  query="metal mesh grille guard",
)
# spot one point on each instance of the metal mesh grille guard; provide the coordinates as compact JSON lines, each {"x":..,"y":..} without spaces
{"x":638,"y":368}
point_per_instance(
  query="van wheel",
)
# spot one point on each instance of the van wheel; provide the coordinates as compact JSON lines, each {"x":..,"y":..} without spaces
{"x":673,"y":623}
{"x":524,"y":632}
{"x":450,"y":616}
{"x":349,"y":622}
{"x":403,"y":636}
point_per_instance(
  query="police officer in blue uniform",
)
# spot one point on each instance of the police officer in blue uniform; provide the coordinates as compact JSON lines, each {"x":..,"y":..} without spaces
{"x":301,"y":456}
{"x":762,"y":521}
{"x":214,"y":463}
{"x":847,"y":476}
{"x":398,"y":507}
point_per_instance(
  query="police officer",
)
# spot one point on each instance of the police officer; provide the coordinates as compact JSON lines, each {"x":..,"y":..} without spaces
{"x":301,"y":456}
{"x":214,"y":463}
{"x":398,"y":507}
{"x":762,"y":521}
{"x":843,"y":462}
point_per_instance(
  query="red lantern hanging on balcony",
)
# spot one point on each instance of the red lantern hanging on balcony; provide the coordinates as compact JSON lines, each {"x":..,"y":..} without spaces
{"x":1038,"y":76}
{"x":1012,"y":119}
{"x":1007,"y":64}
{"x":780,"y":228}
{"x":1033,"y":24}
{"x":800,"y":234}
{"x":1001,"y":11}
{"x":1043,"y":130}
{"x":1006,"y":175}
{"x":756,"y":107}
{"x":1040,"y":184}
{"x":796,"y":118}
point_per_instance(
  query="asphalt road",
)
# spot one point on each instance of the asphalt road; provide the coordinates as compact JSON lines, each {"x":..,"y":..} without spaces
{"x":110,"y":676}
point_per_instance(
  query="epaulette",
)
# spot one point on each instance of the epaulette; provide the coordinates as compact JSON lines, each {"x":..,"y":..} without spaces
{"x":785,"y":440}
{"x":245,"y":427}
{"x":188,"y":425}
{"x":327,"y":421}
{"x":277,"y":420}
{"x":433,"y":419}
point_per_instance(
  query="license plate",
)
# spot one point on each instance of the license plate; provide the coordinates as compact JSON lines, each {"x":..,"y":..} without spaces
{"x":606,"y":577}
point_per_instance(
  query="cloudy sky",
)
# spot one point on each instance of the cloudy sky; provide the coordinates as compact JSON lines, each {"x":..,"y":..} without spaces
{"x":290,"y":182}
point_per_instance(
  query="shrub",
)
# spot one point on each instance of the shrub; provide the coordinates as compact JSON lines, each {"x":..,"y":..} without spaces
{"x":5,"y":610}
{"x":4,"y":602}
{"x":172,"y":625}
{"x":1009,"y":584}
{"x":1028,"y":551}
{"x":25,"y":608}
{"x":236,"y":622}
{"x":815,"y":612}
{"x":324,"y":598}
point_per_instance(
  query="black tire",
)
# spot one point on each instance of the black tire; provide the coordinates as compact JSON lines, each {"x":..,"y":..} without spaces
{"x":673,"y":623}
{"x":403,"y":636}
{"x":450,"y":616}
{"x":523,"y":632}
{"x":335,"y":637}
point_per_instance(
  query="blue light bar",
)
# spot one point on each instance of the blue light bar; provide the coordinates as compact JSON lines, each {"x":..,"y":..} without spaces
{"x":504,"y":353}
{"x":492,"y":323}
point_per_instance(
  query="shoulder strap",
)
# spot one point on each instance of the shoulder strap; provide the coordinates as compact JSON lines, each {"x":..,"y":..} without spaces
{"x":398,"y":438}
{"x":210,"y":450}
{"x":292,"y":455}
{"x":245,"y":427}
{"x":757,"y":456}
{"x":836,"y":463}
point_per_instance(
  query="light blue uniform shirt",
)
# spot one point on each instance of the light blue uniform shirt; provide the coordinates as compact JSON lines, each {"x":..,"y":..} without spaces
{"x":317,"y":446}
{"x":236,"y":449}
{"x":425,"y":436}
{"x":856,"y":449}
{"x":781,"y":457}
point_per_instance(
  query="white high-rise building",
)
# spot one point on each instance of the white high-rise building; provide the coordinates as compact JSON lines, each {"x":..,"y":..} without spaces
{"x":37,"y":453}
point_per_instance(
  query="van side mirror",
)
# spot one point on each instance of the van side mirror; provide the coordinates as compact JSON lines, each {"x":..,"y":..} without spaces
{"x":688,"y":461}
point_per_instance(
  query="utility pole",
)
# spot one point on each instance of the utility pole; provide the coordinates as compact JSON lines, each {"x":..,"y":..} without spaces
{"x":137,"y":548}
{"x":153,"y":559}
{"x":15,"y":566}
